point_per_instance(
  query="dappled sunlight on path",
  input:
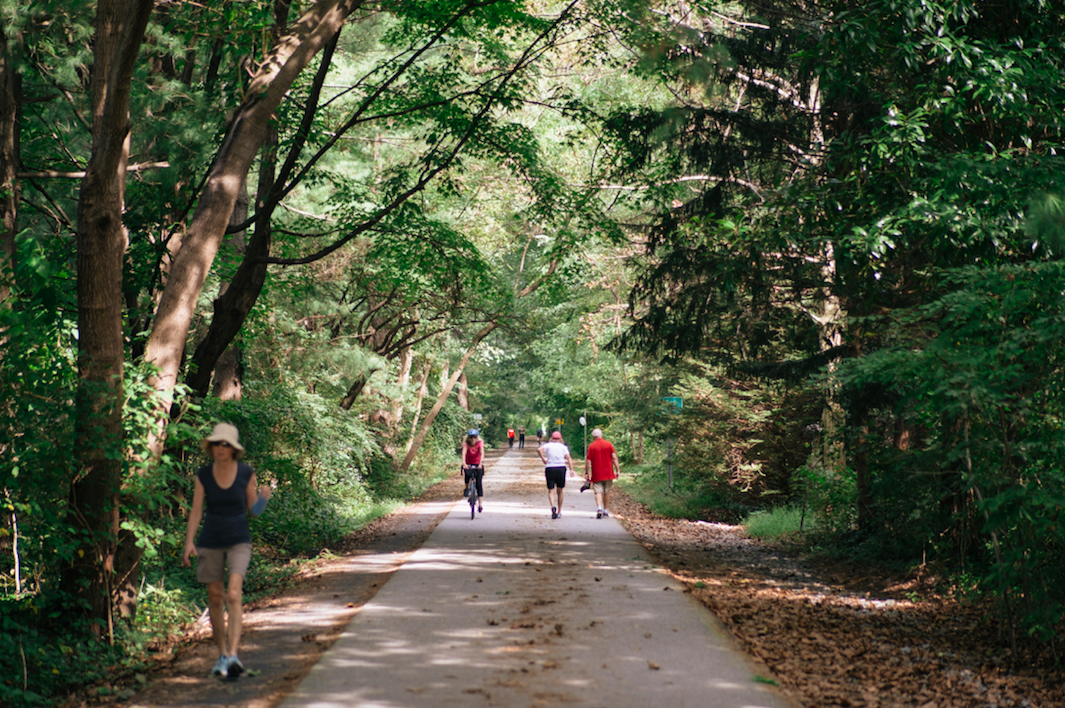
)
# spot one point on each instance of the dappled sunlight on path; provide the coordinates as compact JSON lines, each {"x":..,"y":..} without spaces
{"x":513,"y":608}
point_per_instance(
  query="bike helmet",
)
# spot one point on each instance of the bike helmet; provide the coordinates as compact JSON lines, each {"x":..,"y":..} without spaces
{"x":474,"y":433}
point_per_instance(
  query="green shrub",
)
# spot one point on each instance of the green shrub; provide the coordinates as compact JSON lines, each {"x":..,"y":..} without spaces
{"x":831,"y":495}
{"x":649,"y":485}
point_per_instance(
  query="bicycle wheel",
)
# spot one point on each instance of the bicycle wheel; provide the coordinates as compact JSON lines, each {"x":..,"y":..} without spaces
{"x":472,"y":495}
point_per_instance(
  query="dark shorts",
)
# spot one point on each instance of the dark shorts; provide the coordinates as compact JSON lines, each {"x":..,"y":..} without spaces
{"x":474,"y":471}
{"x":556,"y":477}
{"x":211,"y":562}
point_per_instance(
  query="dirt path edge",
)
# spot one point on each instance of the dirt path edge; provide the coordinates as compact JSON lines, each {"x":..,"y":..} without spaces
{"x":285,"y":635}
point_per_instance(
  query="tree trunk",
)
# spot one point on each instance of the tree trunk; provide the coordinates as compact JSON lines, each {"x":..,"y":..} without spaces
{"x":419,"y":438}
{"x":636,"y":443}
{"x":246,"y":135}
{"x":233,"y":304}
{"x":406,"y":361}
{"x":864,"y":477}
{"x":423,"y":388}
{"x":10,"y":111}
{"x":101,"y":243}
{"x":10,"y":108}
{"x":227,"y":376}
{"x":356,"y":388}
{"x":445,"y":372}
{"x":216,"y":352}
{"x":464,"y":392}
{"x":388,"y":418}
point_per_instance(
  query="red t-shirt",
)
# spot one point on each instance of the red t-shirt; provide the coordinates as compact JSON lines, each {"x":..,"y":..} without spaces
{"x":510,"y":432}
{"x":601,"y":455}
{"x":473,"y":453}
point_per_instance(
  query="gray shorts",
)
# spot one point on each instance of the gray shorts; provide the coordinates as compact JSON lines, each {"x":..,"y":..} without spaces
{"x":602,"y":486}
{"x":211,"y":562}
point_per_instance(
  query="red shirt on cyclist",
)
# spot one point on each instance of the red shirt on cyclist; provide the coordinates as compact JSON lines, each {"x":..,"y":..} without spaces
{"x":472,"y":449}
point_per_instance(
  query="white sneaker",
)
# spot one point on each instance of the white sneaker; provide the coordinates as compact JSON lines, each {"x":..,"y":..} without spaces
{"x":221,"y":667}
{"x":235,"y":668}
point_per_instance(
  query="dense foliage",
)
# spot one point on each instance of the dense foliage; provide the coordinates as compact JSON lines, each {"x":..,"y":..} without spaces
{"x":831,"y":229}
{"x":309,"y":254}
{"x":849,"y":189}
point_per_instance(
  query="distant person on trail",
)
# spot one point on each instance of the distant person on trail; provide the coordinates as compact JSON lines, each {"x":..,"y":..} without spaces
{"x":556,"y":459}
{"x":539,"y":436}
{"x":601,"y":468}
{"x":510,"y":436}
{"x":472,"y":455}
{"x":225,"y":492}
{"x":521,"y":437}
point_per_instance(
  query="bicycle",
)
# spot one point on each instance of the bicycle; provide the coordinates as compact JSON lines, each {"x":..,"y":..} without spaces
{"x":473,"y":473}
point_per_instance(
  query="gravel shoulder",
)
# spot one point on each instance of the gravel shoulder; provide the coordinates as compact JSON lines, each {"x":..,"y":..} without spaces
{"x":832,"y":635}
{"x":839,"y":635}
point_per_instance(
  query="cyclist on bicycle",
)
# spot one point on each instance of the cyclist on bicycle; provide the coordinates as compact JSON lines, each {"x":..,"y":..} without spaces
{"x":472,"y":454}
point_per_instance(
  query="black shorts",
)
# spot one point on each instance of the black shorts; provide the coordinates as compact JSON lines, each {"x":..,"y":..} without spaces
{"x":556,"y":477}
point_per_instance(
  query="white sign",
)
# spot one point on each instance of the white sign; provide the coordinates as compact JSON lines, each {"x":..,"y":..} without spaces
{"x":477,"y":416}
{"x":583,"y":421}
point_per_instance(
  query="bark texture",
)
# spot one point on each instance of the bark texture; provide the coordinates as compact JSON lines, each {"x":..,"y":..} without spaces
{"x":101,"y":244}
{"x":10,"y":97}
{"x":247,"y":133}
{"x":423,"y":431}
{"x":423,"y":389}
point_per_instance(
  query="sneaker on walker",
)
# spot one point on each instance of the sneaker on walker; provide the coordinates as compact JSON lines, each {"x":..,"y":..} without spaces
{"x":235,"y":668}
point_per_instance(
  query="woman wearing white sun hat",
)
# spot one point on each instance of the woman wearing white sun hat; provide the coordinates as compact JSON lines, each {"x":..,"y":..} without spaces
{"x":226,"y":490}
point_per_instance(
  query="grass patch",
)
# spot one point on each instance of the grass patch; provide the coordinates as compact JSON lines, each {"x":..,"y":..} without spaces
{"x":779,"y":522}
{"x":656,"y":495}
{"x":649,"y":485}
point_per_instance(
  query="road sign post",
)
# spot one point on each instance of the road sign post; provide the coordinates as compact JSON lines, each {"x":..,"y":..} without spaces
{"x":673,"y":404}
{"x":584,"y":424}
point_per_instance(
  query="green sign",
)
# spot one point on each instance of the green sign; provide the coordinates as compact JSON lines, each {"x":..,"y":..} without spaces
{"x":674,"y":403}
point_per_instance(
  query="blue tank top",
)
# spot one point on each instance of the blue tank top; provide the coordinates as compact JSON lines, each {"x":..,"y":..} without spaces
{"x":225,"y":511}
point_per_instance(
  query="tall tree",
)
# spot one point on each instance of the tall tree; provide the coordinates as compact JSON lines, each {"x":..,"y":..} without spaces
{"x":239,"y":295}
{"x":830,"y":157}
{"x":247,"y":132}
{"x":10,"y":107}
{"x":101,"y":243}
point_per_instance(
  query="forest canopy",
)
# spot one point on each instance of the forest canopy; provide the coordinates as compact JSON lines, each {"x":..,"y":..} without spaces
{"x":833,"y":228}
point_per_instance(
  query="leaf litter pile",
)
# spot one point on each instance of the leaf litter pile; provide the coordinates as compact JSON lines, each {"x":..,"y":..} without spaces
{"x":838,"y":636}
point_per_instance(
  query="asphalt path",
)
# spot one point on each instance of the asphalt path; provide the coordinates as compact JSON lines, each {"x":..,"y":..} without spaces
{"x":515,"y":609}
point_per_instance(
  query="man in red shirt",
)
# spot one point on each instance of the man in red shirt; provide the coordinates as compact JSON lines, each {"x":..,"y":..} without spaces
{"x":601,"y":468}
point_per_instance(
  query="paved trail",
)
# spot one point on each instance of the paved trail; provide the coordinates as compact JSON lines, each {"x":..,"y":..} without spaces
{"x":516,"y":609}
